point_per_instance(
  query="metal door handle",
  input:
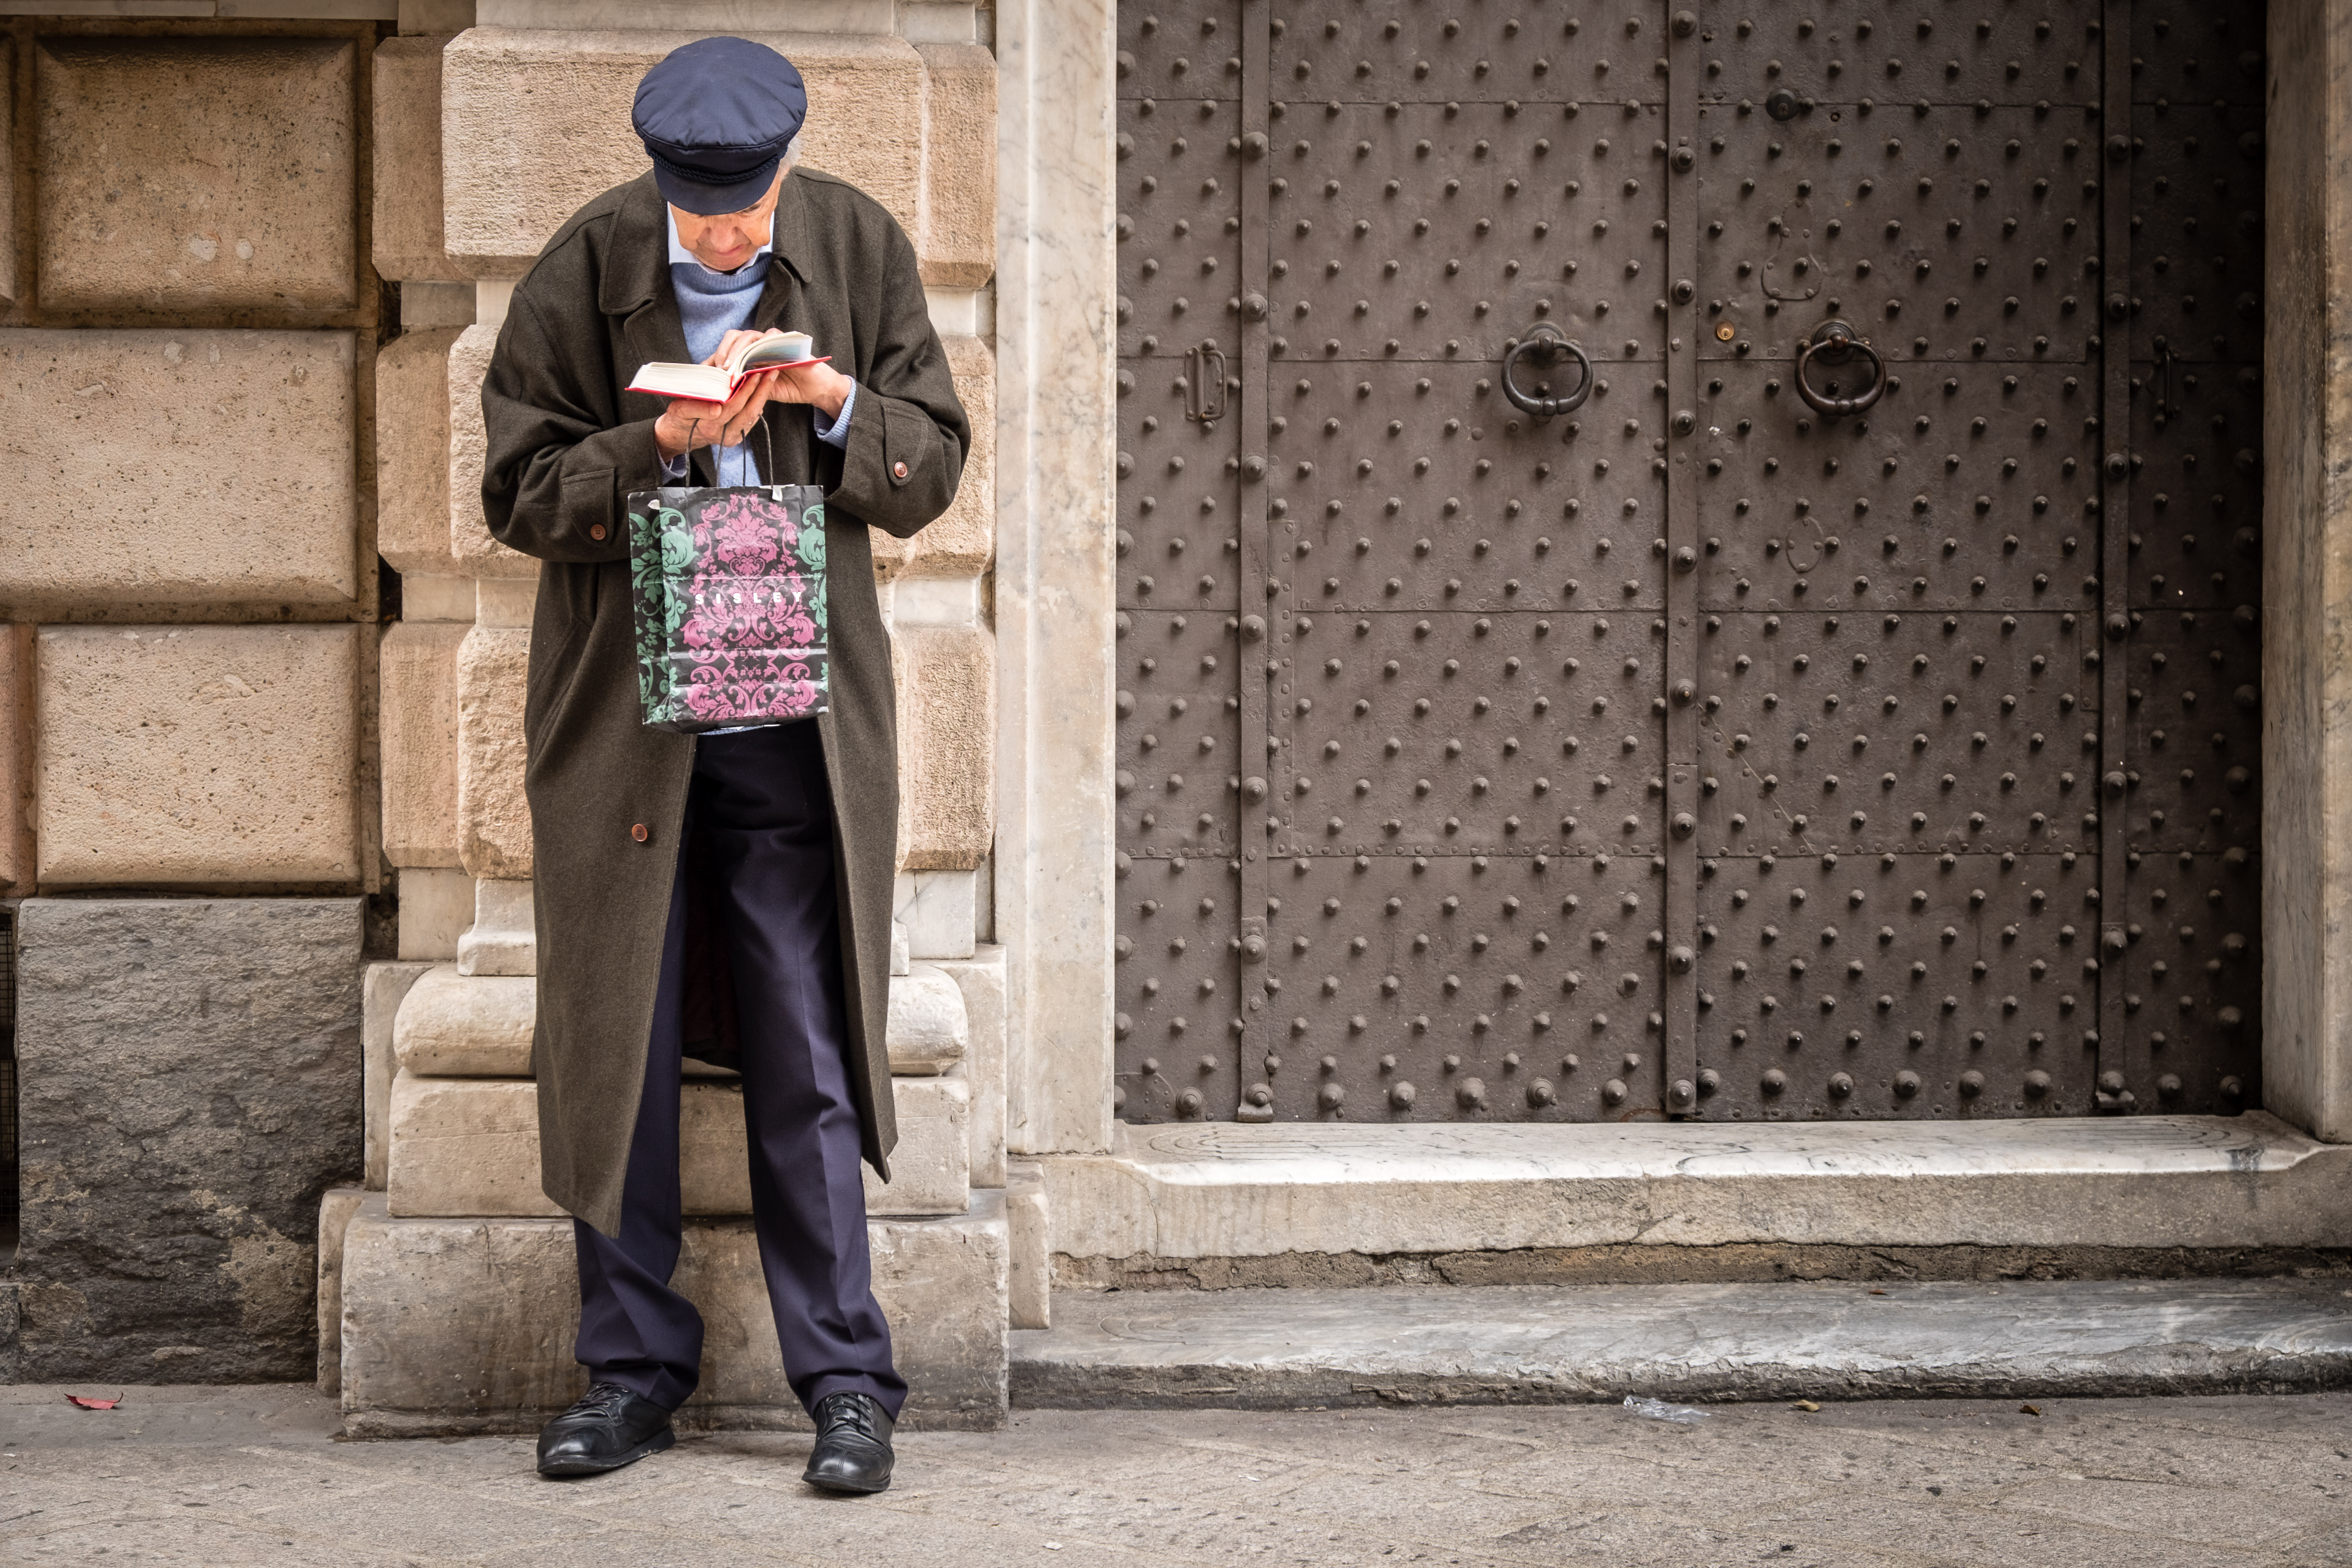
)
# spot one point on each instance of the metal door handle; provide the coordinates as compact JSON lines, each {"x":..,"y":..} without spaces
{"x":1555,"y":346}
{"x":1199,"y":406}
{"x":1835,"y":343}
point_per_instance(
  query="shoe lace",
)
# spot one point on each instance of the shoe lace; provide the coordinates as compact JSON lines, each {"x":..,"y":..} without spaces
{"x":855,"y":1411}
{"x":604,"y":1398}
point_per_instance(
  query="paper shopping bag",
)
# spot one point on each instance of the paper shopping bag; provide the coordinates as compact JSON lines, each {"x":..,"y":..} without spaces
{"x":729,"y":585}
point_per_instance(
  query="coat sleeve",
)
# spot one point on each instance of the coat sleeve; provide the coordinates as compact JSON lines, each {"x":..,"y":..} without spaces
{"x":555,"y":467}
{"x":908,"y":433}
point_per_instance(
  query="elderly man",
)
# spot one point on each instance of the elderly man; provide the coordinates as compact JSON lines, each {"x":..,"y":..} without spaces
{"x":728,"y":895}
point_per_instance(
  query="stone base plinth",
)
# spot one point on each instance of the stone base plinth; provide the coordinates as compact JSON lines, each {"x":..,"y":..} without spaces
{"x":465,"y":1326}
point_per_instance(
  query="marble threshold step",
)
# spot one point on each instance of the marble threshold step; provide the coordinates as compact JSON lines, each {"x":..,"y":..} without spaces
{"x":1514,"y":1344}
{"x":1309,"y":1204}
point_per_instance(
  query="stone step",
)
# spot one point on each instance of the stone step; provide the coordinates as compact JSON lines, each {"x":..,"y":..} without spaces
{"x":1339,"y":1203}
{"x":1513,"y":1344}
{"x":452,"y":1326}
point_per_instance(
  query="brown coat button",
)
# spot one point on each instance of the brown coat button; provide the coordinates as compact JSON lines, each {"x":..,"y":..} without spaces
{"x":641,"y":833}
{"x":595,"y":530}
{"x":899,"y":470}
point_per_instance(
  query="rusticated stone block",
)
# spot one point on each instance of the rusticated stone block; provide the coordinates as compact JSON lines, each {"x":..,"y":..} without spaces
{"x":536,"y":123}
{"x":493,"y":817}
{"x":947,"y":739}
{"x":254,"y":426}
{"x":470,"y":1146}
{"x":412,"y":520}
{"x":958,"y":232}
{"x":456,"y":1325}
{"x":478,"y":554}
{"x":15,"y":757}
{"x":961,"y":540}
{"x":198,"y":755}
{"x":458,"y":1025}
{"x":417,"y":728}
{"x":190,"y":1089}
{"x":180,"y":172}
{"x":467,"y":1146}
{"x":406,"y":233}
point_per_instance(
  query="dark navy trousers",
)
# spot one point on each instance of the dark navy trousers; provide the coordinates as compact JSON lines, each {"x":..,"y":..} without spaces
{"x":763,"y":809}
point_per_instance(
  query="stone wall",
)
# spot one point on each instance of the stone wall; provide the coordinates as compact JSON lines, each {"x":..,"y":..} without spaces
{"x":188,"y":648}
{"x":258,"y":652}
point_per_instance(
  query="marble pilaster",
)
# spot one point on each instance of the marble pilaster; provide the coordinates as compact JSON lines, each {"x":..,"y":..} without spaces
{"x":2307,"y":573}
{"x":1055,"y":499}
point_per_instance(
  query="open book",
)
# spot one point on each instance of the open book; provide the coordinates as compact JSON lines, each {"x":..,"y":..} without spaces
{"x":716,"y":383}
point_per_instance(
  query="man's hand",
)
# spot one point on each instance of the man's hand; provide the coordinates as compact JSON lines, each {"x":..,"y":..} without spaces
{"x":820,"y":386}
{"x":689,"y":423}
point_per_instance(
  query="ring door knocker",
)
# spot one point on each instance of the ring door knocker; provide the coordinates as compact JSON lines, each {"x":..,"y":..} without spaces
{"x":1834,"y":343}
{"x":1547,"y":341}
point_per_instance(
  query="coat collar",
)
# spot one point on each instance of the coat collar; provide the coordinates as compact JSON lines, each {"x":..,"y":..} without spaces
{"x":636,"y":267}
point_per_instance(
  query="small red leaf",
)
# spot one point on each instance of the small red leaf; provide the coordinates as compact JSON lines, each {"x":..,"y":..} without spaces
{"x":89,"y":1402}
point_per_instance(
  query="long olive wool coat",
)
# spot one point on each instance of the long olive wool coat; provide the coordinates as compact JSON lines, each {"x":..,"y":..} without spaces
{"x":566,"y":447}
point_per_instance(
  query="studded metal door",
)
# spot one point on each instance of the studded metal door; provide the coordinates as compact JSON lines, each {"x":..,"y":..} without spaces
{"x":1762,"y":717}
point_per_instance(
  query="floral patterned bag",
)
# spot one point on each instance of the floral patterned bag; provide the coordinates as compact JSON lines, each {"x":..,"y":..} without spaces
{"x":729,"y":585}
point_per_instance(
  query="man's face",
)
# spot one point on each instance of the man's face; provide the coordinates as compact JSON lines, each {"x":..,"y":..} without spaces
{"x":726,"y":241}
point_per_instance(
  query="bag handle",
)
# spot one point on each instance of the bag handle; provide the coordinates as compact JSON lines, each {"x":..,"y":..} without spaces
{"x":767,"y":446}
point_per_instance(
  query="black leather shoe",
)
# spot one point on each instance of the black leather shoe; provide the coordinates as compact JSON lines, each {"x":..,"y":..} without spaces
{"x":853,"y":1445}
{"x":611,"y":1427}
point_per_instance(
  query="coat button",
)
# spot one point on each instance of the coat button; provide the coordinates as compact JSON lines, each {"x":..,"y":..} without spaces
{"x":899,"y":470}
{"x":595,"y":530}
{"x":641,"y":833}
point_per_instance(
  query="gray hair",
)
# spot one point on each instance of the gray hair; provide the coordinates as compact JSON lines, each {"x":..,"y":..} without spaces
{"x":792,"y":149}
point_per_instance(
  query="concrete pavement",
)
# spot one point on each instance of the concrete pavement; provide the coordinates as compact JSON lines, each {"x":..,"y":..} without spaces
{"x":253,"y":1475}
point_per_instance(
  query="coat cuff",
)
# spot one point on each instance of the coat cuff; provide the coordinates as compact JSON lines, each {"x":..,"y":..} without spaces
{"x":890,"y":463}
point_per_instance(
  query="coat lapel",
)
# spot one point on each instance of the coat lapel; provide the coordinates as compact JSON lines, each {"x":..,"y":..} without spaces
{"x":636,"y":288}
{"x":783,"y":303}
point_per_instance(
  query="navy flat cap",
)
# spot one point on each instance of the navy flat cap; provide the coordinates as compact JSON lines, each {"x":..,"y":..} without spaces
{"x":715,"y":116}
